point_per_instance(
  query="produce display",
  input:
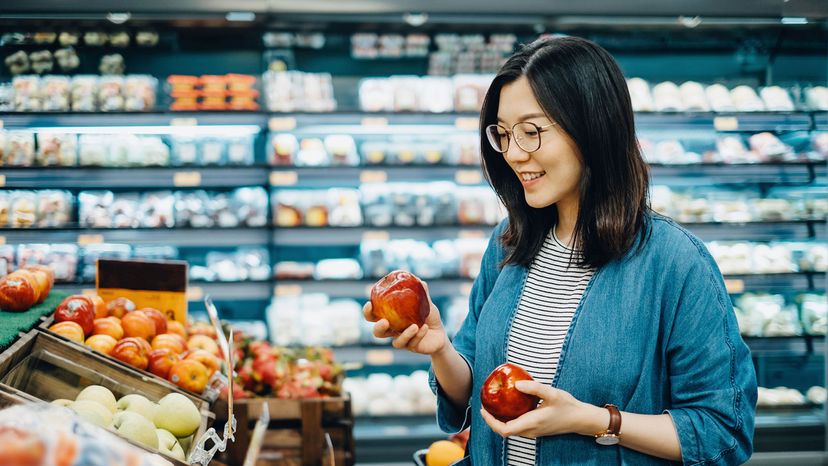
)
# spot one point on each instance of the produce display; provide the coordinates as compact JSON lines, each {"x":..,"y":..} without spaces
{"x":730,"y":148}
{"x":35,"y":209}
{"x":740,"y":257}
{"x":161,"y":425}
{"x":381,"y":394}
{"x":213,"y":92}
{"x":47,"y":435}
{"x":291,"y":91}
{"x":84,"y":93}
{"x":501,"y":398}
{"x":788,"y":397}
{"x":432,"y":94}
{"x":25,"y":287}
{"x":769,"y":315}
{"x":142,"y":338}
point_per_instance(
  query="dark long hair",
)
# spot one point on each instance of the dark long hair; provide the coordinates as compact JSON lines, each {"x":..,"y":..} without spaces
{"x":580,"y":86}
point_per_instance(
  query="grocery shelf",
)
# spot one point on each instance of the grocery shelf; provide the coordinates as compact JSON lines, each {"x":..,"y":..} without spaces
{"x":726,"y":122}
{"x":321,"y":236}
{"x":325,"y":177}
{"x":801,"y":344}
{"x":83,"y":178}
{"x":821,"y":121}
{"x":791,"y":230}
{"x":378,"y":355}
{"x":777,"y":172}
{"x":225,"y":291}
{"x":163,"y":236}
{"x":775,"y":282}
{"x":28,"y":120}
{"x":361,"y":288}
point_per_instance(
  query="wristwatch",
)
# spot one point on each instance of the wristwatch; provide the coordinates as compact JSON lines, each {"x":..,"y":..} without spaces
{"x":611,"y":435}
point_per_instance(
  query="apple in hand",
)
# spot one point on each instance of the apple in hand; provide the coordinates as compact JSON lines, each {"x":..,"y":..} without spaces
{"x":168,"y":445}
{"x":119,"y":307}
{"x":158,"y":318}
{"x":501,"y":398}
{"x":136,"y":428}
{"x":401,"y":299}
{"x":178,"y":415}
{"x":77,"y":308}
{"x":131,"y":351}
{"x":161,"y":360}
{"x":137,"y":404}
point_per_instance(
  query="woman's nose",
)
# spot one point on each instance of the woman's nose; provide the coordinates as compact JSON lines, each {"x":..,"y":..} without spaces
{"x":515,"y":153}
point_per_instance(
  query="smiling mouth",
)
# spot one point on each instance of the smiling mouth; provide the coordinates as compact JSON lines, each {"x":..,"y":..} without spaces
{"x":529,"y":176}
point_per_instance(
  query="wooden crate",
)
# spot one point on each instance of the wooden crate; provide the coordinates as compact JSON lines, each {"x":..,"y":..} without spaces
{"x":48,"y":321}
{"x":296,"y":433}
{"x":46,"y":368}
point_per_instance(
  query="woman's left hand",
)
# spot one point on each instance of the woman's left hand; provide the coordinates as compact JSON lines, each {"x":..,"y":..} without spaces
{"x":557,"y":413}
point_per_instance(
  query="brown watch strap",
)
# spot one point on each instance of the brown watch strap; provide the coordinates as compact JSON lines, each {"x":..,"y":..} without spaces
{"x":615,"y":420}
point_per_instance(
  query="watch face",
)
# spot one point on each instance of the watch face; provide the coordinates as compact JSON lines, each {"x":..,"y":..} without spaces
{"x":607,"y":440}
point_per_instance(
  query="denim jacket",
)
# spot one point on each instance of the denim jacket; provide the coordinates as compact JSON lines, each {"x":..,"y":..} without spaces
{"x":654,"y":333}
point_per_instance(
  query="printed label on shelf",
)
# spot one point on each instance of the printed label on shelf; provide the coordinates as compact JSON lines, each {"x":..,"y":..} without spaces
{"x":195,"y":293}
{"x":725,"y":123}
{"x":374,"y":121}
{"x":376,"y":235}
{"x":287,"y":290}
{"x":474,"y":234}
{"x":465,"y":289}
{"x":187,"y":179}
{"x":379,"y":357}
{"x":373,"y":176}
{"x":2,"y":179}
{"x":84,"y":240}
{"x":469,"y":123}
{"x":282,"y":178}
{"x":735,"y":285}
{"x":281,"y":123}
{"x":184,"y":122}
{"x":468,"y":177}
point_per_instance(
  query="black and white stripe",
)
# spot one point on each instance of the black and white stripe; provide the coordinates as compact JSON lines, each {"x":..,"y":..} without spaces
{"x":552,"y":292}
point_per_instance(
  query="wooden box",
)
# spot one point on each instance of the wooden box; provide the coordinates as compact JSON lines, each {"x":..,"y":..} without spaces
{"x":296,"y":433}
{"x":45,"y":367}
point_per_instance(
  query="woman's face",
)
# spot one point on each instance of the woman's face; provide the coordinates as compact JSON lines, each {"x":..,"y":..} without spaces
{"x":551,"y":174}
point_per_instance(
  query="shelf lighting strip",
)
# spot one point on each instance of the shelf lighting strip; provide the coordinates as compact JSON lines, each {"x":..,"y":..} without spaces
{"x":193,"y":130}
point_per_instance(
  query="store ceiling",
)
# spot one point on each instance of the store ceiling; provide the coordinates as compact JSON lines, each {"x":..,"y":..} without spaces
{"x":546,"y":8}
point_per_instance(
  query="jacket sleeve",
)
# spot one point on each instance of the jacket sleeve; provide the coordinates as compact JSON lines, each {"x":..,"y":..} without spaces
{"x":452,"y":418}
{"x":712,"y":379}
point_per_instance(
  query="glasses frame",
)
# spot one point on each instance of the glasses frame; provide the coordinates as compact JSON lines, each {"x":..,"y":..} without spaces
{"x":510,"y":136}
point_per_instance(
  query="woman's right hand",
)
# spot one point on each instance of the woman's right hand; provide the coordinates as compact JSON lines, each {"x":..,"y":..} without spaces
{"x":428,"y":339}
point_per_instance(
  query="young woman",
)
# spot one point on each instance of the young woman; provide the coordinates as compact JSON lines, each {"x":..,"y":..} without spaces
{"x":620,"y":315}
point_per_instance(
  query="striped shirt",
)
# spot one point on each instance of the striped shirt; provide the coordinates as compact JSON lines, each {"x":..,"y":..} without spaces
{"x":552,"y":292}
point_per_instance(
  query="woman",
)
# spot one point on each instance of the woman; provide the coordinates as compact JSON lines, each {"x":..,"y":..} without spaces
{"x":614,"y":311}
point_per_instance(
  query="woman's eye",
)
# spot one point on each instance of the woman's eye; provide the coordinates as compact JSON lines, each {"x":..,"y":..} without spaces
{"x":531,"y":134}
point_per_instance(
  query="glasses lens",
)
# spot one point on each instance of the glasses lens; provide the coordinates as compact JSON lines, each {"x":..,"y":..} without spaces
{"x":527,"y":136}
{"x":497,"y":137}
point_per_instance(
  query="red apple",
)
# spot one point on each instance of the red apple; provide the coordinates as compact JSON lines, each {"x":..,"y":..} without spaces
{"x":68,"y":329}
{"x":45,"y":278}
{"x":109,"y":326}
{"x":101,"y":310}
{"x":77,"y":308}
{"x":18,"y":292}
{"x":210,"y":361}
{"x":176,"y":343}
{"x":177,"y":328}
{"x":119,"y":307}
{"x":203,"y":342}
{"x":102,"y":343}
{"x":400,"y":298}
{"x":158,"y":319}
{"x":500,"y":397}
{"x":132,"y":352}
{"x":138,"y":324}
{"x":161,"y":361}
{"x":190,"y":375}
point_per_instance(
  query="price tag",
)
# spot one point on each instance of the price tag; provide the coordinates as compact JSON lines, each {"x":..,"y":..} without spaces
{"x":84,"y":240}
{"x":184,"y":122}
{"x":735,"y":286}
{"x":287,"y":290}
{"x":195,"y":293}
{"x":282,"y":178}
{"x":2,"y":240}
{"x":373,"y":176}
{"x":374,"y":122}
{"x":281,"y":124}
{"x":2,"y":180}
{"x":376,"y":235}
{"x":471,"y":234}
{"x":722,"y":123}
{"x":379,"y":357}
{"x":466,"y":289}
{"x":89,"y":291}
{"x":468,"y":177}
{"x":467,"y":123}
{"x":187,"y":179}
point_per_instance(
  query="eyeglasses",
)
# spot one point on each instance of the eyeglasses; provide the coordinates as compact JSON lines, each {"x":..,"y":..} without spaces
{"x":526,"y":135}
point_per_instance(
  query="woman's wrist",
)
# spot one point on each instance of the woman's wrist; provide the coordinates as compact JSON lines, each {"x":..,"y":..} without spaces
{"x":591,"y":420}
{"x":444,"y":350}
